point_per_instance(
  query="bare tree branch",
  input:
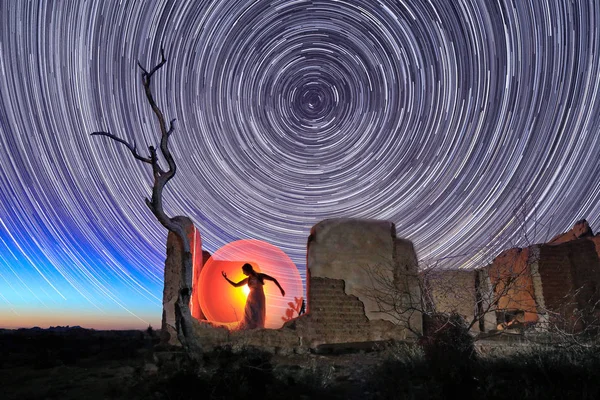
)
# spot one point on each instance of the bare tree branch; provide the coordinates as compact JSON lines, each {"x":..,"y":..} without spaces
{"x":131,"y":147}
{"x":148,"y":75}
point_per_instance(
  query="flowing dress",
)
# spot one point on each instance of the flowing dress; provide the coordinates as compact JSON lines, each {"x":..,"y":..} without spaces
{"x":255,"y":309}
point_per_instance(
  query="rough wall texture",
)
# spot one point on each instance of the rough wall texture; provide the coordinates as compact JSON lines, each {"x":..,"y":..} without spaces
{"x":331,"y":309}
{"x":452,"y":291}
{"x":172,"y":277}
{"x":351,"y":261}
{"x":344,"y":258}
{"x":484,"y":295}
{"x":512,"y":283}
{"x":557,"y":282}
{"x":336,"y":317}
{"x":570,"y":275}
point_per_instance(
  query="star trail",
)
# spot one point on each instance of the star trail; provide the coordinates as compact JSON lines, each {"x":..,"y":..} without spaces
{"x":457,"y":120}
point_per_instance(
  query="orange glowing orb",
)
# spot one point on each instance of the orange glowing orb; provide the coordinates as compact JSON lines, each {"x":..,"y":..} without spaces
{"x":222,"y":303}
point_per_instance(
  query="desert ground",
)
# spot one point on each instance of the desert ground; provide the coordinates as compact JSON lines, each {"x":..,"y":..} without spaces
{"x":76,"y":363}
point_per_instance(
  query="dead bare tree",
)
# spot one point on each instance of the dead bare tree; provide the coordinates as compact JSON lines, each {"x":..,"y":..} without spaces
{"x":185,"y":332}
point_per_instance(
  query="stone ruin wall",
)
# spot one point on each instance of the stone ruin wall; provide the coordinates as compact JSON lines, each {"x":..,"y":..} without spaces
{"x":557,"y":278}
{"x":345,"y":259}
{"x":339,"y":309}
{"x":172,"y":278}
{"x":343,"y":255}
{"x":451,"y":290}
{"x":513,"y":266}
{"x":552,"y":281}
{"x":570,"y":275}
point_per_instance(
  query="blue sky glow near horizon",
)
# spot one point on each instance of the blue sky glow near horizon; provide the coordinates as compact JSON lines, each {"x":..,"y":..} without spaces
{"x":454,"y":119}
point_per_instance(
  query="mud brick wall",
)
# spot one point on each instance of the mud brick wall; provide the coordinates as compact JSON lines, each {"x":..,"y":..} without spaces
{"x":511,"y":279}
{"x":570,"y":274}
{"x":347,"y":259}
{"x":172,"y":277}
{"x":452,"y":291}
{"x":336,"y":317}
{"x":338,"y":309}
{"x":335,"y":314}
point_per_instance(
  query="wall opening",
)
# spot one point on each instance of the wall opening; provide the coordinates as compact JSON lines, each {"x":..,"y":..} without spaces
{"x":510,"y":319}
{"x":221,"y":304}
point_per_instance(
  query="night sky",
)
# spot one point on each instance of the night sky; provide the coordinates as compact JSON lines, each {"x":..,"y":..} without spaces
{"x":454,"y":119}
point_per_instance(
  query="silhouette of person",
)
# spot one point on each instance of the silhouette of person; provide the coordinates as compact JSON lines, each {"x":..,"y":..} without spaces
{"x":255,"y":309}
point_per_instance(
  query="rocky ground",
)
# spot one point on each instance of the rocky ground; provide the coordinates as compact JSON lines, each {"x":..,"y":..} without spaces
{"x":84,"y":364}
{"x":71,"y":363}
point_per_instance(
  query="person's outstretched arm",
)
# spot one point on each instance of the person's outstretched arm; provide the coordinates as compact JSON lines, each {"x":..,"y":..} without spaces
{"x":270,"y":278}
{"x":234,"y":284}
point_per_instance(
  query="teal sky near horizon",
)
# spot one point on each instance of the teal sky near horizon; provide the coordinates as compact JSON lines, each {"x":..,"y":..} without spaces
{"x":456,"y":120}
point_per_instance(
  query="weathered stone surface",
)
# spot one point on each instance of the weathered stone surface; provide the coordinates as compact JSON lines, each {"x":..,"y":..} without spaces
{"x":452,"y":291}
{"x":484,"y":309}
{"x":406,"y":279}
{"x":348,"y":261}
{"x":336,"y":317}
{"x":342,"y":256}
{"x":570,"y":277}
{"x":210,"y":335}
{"x":512,"y":282}
{"x":172,"y":277}
{"x":276,"y":341}
{"x":556,"y":283}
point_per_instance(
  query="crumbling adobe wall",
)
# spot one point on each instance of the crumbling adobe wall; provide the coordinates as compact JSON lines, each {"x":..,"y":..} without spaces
{"x":336,"y":317}
{"x":451,"y":291}
{"x":343,"y":259}
{"x":331,"y":309}
{"x":172,"y":278}
{"x":512,"y":283}
{"x":349,"y":263}
{"x":556,"y":283}
{"x":570,"y":274}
